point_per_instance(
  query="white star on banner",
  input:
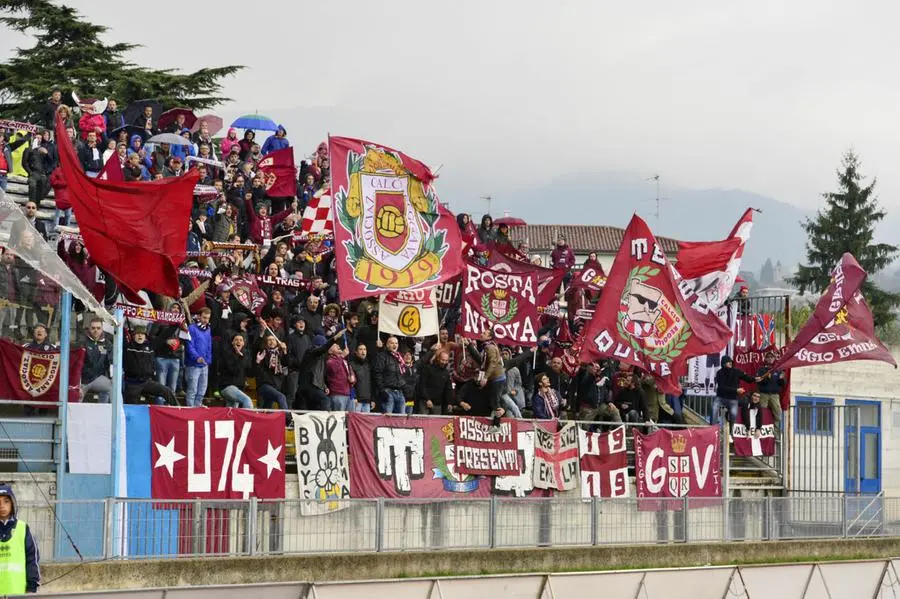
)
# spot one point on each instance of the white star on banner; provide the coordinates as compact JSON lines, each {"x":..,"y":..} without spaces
{"x":271,"y":459}
{"x":167,"y":456}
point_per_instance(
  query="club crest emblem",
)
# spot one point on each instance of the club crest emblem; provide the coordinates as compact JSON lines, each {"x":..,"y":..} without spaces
{"x":37,"y":372}
{"x":391,"y":216}
{"x":648,"y":320}
{"x":498,"y":306}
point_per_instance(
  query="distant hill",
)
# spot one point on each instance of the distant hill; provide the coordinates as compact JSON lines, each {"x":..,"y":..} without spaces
{"x":687,"y":214}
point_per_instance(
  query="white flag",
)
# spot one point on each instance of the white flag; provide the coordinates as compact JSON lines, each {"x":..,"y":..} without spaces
{"x":408,"y":313}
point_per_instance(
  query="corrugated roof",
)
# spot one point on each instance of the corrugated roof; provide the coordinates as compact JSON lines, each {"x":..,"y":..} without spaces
{"x":581,"y":238}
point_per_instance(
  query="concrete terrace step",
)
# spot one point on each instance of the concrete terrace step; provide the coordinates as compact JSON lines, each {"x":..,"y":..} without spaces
{"x":18,"y":192}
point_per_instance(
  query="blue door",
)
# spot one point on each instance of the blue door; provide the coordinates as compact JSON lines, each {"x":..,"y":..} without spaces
{"x":862,"y":447}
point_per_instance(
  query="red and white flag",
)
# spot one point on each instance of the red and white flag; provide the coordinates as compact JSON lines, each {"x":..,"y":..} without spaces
{"x":317,"y":219}
{"x":712,"y":266}
{"x":648,"y":316}
{"x":216,"y":453}
{"x":556,"y":457}
{"x":604,"y":463}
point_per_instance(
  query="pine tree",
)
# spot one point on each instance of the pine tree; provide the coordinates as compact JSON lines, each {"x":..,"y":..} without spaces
{"x":69,"y":54}
{"x":847,"y":224}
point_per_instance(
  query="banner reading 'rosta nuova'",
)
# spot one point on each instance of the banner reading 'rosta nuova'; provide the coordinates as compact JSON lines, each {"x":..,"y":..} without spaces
{"x":504,"y":302}
{"x":390,"y":230}
{"x":416,"y":457}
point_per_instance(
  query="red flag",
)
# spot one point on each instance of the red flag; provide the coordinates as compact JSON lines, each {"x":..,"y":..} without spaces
{"x":279,"y":173}
{"x":30,"y":375}
{"x":841,"y":327}
{"x":391,"y":232}
{"x":245,"y":290}
{"x":136,"y":231}
{"x":504,"y":301}
{"x":112,"y":170}
{"x":216,"y":453}
{"x":604,"y":463}
{"x":548,"y":278}
{"x":673,"y":464}
{"x":712,"y":266}
{"x":648,"y":316}
{"x":590,"y":277}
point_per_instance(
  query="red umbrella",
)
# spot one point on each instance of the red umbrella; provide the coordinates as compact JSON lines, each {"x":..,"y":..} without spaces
{"x":510,"y":221}
{"x":168,"y":117}
{"x":213,"y":122}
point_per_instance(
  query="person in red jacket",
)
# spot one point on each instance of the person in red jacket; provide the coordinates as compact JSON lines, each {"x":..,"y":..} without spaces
{"x":261,"y":226}
{"x":61,"y":196}
{"x":92,"y":118}
{"x":339,"y":378}
{"x":562,"y":256}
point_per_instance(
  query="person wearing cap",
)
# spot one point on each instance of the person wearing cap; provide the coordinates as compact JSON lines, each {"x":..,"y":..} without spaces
{"x":175,"y":167}
{"x":20,"y":569}
{"x":140,"y":371}
{"x":728,"y":389}
{"x":769,"y":383}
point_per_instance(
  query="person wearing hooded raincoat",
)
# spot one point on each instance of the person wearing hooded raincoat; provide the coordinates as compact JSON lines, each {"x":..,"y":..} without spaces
{"x":228,"y":141}
{"x":277,"y":141}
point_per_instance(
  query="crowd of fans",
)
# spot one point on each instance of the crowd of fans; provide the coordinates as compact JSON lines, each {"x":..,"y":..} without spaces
{"x":305,"y":350}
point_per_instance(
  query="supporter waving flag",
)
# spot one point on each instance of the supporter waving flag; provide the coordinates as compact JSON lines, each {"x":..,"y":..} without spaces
{"x":648,"y":315}
{"x":317,"y":219}
{"x":136,"y":232}
{"x":391,"y":232}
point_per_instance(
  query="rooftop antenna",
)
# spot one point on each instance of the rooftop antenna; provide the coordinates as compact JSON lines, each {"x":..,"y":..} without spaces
{"x":658,"y":199}
{"x":488,"y":199}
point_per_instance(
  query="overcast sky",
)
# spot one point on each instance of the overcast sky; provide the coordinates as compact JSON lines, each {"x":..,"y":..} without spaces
{"x":763,"y":96}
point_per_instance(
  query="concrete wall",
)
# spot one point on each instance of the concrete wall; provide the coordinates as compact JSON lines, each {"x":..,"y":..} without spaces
{"x":316,"y":568}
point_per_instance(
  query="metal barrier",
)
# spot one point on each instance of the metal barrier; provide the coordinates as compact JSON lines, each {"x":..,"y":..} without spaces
{"x":143,"y":528}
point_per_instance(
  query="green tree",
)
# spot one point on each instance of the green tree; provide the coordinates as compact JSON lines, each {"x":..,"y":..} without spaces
{"x":847,"y":224}
{"x":69,"y":54}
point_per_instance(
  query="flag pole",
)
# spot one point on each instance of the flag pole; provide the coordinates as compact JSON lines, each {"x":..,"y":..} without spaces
{"x":64,"y":351}
{"x":118,"y":360}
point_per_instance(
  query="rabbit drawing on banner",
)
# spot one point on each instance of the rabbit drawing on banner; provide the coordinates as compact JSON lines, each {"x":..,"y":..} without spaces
{"x":328,"y":477}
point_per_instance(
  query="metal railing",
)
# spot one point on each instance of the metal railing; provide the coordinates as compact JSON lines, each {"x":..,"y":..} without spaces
{"x":144,"y":528}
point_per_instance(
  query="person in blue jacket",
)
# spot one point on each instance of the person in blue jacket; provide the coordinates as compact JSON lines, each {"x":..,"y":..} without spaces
{"x":187,"y":149}
{"x":20,"y":569}
{"x":278,"y":141}
{"x":197,"y":358}
{"x":136,"y":146}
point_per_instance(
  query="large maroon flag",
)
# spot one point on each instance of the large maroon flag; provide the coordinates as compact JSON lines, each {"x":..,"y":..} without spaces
{"x":390,"y":230}
{"x":31,"y":375}
{"x":649,"y":316}
{"x":590,"y":277}
{"x":216,"y":453}
{"x":841,"y":327}
{"x":136,"y":231}
{"x":279,"y":173}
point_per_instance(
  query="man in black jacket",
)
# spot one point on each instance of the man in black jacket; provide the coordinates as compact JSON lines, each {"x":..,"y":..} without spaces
{"x":359,"y":362}
{"x":39,"y":162}
{"x":97,"y":361}
{"x":435,"y":392}
{"x":298,"y":344}
{"x":594,"y":395}
{"x":389,"y":377}
{"x":140,"y":371}
{"x":728,"y":388}
{"x":91,"y":156}
{"x":770,"y":383}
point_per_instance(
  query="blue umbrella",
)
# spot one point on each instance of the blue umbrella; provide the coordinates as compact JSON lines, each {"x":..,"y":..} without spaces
{"x":255,"y":121}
